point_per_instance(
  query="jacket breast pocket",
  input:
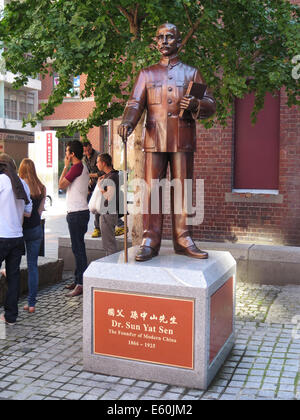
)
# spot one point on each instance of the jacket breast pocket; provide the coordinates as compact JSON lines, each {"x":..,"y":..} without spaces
{"x":181,"y":88}
{"x":186,"y":135}
{"x":154,"y":93}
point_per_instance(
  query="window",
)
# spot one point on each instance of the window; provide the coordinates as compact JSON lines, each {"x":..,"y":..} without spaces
{"x":18,"y":104}
{"x":55,"y":80}
{"x":10,"y":107}
{"x":256,"y":165}
{"x":104,"y":139}
{"x":74,"y":91}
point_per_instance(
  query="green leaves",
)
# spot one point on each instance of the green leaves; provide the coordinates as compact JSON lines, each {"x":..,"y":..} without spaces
{"x":239,"y":46}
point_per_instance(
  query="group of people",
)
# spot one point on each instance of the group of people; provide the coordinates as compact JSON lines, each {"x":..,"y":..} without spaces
{"x":22,"y":199}
{"x":79,"y":183}
{"x":90,"y":160}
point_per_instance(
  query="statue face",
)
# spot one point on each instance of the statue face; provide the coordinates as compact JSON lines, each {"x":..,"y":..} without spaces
{"x":167,"y":40}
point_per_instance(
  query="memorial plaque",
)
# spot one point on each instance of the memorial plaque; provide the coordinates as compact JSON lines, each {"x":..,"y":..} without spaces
{"x":145,"y":328}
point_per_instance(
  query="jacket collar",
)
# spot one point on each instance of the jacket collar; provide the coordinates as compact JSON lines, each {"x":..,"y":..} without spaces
{"x":171,"y":61}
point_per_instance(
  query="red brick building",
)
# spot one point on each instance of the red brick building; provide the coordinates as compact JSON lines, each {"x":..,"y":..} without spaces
{"x":251,"y":174}
{"x":73,"y":108}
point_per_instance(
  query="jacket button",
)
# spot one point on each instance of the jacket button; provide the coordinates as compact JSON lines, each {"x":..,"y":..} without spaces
{"x":169,"y":101}
{"x":170,"y":89}
{"x":169,"y":114}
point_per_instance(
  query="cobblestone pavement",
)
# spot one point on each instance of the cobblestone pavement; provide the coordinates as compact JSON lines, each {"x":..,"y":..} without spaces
{"x":41,"y":356}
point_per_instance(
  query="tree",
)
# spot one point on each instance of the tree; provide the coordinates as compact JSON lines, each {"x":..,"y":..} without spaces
{"x":239,"y":46}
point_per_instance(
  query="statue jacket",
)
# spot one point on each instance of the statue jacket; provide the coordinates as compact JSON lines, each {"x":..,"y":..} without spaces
{"x":159,"y":89}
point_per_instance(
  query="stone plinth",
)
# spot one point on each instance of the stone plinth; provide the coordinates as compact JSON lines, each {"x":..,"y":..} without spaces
{"x":167,"y":320}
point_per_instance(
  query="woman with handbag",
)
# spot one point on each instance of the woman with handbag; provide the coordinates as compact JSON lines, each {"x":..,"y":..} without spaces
{"x":32,"y":230}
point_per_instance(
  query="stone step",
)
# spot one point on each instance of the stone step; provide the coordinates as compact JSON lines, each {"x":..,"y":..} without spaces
{"x":262,"y":264}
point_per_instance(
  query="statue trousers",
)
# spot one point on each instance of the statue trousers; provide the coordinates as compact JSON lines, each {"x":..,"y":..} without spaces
{"x":181,"y":168}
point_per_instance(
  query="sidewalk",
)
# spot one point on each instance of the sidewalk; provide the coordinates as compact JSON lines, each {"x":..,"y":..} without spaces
{"x":41,"y":356}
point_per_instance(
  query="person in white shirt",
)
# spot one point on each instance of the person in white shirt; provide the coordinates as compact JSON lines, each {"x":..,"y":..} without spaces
{"x":15,"y":203}
{"x":76,"y":181}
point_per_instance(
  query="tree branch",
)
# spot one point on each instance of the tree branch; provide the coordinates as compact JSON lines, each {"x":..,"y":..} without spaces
{"x":132,"y":19}
{"x":136,"y":15}
{"x":113,"y":23}
{"x":187,"y":14}
{"x":190,"y":33}
{"x":124,"y":12}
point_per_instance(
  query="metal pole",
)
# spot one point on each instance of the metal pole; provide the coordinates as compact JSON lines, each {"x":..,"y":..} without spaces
{"x":125,"y":203}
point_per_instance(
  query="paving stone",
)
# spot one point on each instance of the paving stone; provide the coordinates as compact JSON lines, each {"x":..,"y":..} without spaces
{"x":36,"y":398}
{"x":6,"y":394}
{"x":127,"y":381}
{"x":169,"y":396}
{"x":266,"y":393}
{"x":16,"y":387}
{"x":98,"y":392}
{"x":45,"y":391}
{"x":286,"y":388}
{"x":285,"y":395}
{"x":128,"y":396}
{"x":185,"y":397}
{"x":112,"y":395}
{"x":228,"y":397}
{"x":154,"y":393}
{"x":42,"y":357}
{"x":252,"y":384}
{"x":287,"y":380}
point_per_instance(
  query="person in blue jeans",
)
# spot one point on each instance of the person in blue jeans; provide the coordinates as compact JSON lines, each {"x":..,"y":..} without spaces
{"x":15,"y":204}
{"x":75,"y":181}
{"x":32,"y":230}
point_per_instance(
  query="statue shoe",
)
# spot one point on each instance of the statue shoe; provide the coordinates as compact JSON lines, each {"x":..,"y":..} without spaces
{"x":191,"y":251}
{"x":145,"y":253}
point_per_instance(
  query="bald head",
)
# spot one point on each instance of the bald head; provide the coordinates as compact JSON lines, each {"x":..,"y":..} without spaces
{"x":171,"y":27}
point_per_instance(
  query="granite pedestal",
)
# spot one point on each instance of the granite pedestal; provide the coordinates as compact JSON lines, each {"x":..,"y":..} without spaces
{"x":170,"y":319}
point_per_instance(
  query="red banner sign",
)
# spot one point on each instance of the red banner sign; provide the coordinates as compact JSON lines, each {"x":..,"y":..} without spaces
{"x":145,"y":328}
{"x":49,"y":150}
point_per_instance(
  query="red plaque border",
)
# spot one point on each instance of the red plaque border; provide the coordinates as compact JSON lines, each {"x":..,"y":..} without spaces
{"x":191,"y":300}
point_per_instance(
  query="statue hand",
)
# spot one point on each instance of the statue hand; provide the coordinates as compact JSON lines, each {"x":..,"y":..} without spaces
{"x":124,"y":131}
{"x":188,"y":102}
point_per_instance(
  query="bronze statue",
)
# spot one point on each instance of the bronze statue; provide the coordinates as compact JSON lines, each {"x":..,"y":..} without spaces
{"x":160,"y":89}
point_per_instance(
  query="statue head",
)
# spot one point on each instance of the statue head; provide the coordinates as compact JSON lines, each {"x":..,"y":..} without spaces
{"x":168,"y":39}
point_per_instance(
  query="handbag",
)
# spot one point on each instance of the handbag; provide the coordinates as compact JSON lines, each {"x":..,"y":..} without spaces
{"x":95,"y":201}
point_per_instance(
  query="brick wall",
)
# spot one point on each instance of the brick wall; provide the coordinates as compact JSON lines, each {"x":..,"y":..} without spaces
{"x":70,"y":109}
{"x":249,"y":219}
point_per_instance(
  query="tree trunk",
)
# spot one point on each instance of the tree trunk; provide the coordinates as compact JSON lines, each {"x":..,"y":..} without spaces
{"x":137,"y":226}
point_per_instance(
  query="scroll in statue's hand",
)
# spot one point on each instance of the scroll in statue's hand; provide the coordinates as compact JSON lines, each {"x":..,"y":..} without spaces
{"x":124,"y":131}
{"x":188,"y":102}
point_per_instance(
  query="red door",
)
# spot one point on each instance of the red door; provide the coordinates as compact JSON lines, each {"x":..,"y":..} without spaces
{"x":257,"y":146}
